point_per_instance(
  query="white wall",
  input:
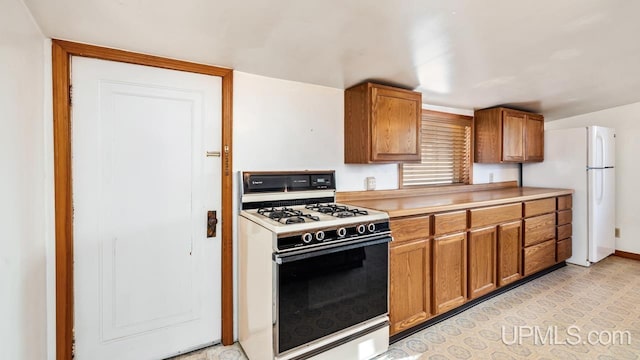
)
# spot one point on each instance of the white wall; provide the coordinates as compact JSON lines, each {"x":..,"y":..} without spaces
{"x":626,"y":120}
{"x":486,"y":173}
{"x":23,"y":319}
{"x":287,"y":125}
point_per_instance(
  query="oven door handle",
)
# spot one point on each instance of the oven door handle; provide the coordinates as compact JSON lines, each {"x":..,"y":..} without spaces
{"x":285,"y":258}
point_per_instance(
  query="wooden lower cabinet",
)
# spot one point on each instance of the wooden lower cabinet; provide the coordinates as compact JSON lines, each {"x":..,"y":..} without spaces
{"x":565,"y":202}
{"x":564,"y":231}
{"x":509,"y":252}
{"x":539,"y":228}
{"x":563,"y":250}
{"x":447,"y":223}
{"x":410,"y":228}
{"x":564,"y":217}
{"x":494,"y":215}
{"x":449,"y":271}
{"x":565,"y":228}
{"x":439,"y":261}
{"x":539,"y":257}
{"x":409,"y":285}
{"x":539,"y":207}
{"x":482,"y":261}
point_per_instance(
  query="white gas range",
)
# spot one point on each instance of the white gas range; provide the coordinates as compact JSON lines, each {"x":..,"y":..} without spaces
{"x":313,"y":273}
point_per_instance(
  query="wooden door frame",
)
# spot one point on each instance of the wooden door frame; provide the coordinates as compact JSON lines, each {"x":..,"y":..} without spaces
{"x":62,"y":51}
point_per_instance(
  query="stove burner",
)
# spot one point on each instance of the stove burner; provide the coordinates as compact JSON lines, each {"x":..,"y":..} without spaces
{"x":339,"y":211}
{"x":286,"y":215}
{"x":344,"y":214}
{"x":294,"y":220}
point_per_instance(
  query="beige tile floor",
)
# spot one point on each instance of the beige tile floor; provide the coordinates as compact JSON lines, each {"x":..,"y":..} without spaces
{"x":573,"y":302}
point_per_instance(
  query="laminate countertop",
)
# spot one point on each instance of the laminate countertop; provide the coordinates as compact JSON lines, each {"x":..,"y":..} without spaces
{"x":427,"y":204}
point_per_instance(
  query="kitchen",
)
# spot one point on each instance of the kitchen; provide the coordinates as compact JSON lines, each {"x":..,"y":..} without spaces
{"x":259,"y":103}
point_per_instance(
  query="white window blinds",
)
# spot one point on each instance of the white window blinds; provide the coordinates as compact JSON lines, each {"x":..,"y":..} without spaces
{"x":446,"y":151}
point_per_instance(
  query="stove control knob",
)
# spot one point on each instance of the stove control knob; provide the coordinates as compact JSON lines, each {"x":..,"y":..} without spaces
{"x":320,"y":235}
{"x":342,"y":232}
{"x":371,"y":227}
{"x":361,"y":229}
{"x":306,"y":238}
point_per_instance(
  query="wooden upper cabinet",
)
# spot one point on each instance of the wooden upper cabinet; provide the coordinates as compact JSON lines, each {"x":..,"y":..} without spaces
{"x":512,"y":140}
{"x":534,"y":138}
{"x":506,"y":135}
{"x":381,"y":124}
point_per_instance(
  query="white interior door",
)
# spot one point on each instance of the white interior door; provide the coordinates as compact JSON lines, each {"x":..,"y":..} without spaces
{"x":146,"y":277}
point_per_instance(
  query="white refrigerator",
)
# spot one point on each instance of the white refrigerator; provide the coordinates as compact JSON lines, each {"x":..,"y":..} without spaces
{"x":582,"y":159}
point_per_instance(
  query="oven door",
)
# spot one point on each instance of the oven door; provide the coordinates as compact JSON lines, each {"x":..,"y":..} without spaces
{"x":322,"y":292}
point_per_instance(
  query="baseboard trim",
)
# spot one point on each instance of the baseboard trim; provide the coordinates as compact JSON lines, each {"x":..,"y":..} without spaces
{"x":472,"y":303}
{"x":628,"y":255}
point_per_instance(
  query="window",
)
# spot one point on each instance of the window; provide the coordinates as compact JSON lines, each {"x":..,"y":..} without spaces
{"x":446,"y":151}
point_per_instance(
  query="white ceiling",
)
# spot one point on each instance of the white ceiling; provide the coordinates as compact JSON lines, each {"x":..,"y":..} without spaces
{"x":560,"y":58}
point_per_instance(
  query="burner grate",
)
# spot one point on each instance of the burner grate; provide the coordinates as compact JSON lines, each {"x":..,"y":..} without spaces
{"x":336,"y":210}
{"x":286,"y":215}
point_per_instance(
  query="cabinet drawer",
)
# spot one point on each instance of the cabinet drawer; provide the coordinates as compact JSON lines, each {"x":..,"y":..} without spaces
{"x":564,"y":231}
{"x":537,"y":207}
{"x":450,"y":222}
{"x":565,"y":202}
{"x":495,"y":214}
{"x":565,"y":217}
{"x":410,"y":228}
{"x":540,"y":228}
{"x":539,"y":257}
{"x":563,"y":250}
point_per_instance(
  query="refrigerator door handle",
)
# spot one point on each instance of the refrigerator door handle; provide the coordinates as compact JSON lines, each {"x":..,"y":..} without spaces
{"x":600,"y":151}
{"x":600,"y":186}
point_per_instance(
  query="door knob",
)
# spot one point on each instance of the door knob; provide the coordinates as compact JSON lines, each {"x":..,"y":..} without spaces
{"x":212,"y":222}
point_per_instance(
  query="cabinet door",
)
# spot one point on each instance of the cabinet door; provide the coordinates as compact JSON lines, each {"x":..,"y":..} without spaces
{"x":509,"y":253}
{"x":409,"y":285}
{"x":395,"y":125}
{"x":513,"y":136}
{"x":449,"y":272}
{"x":482,"y":261}
{"x":534,"y":138}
